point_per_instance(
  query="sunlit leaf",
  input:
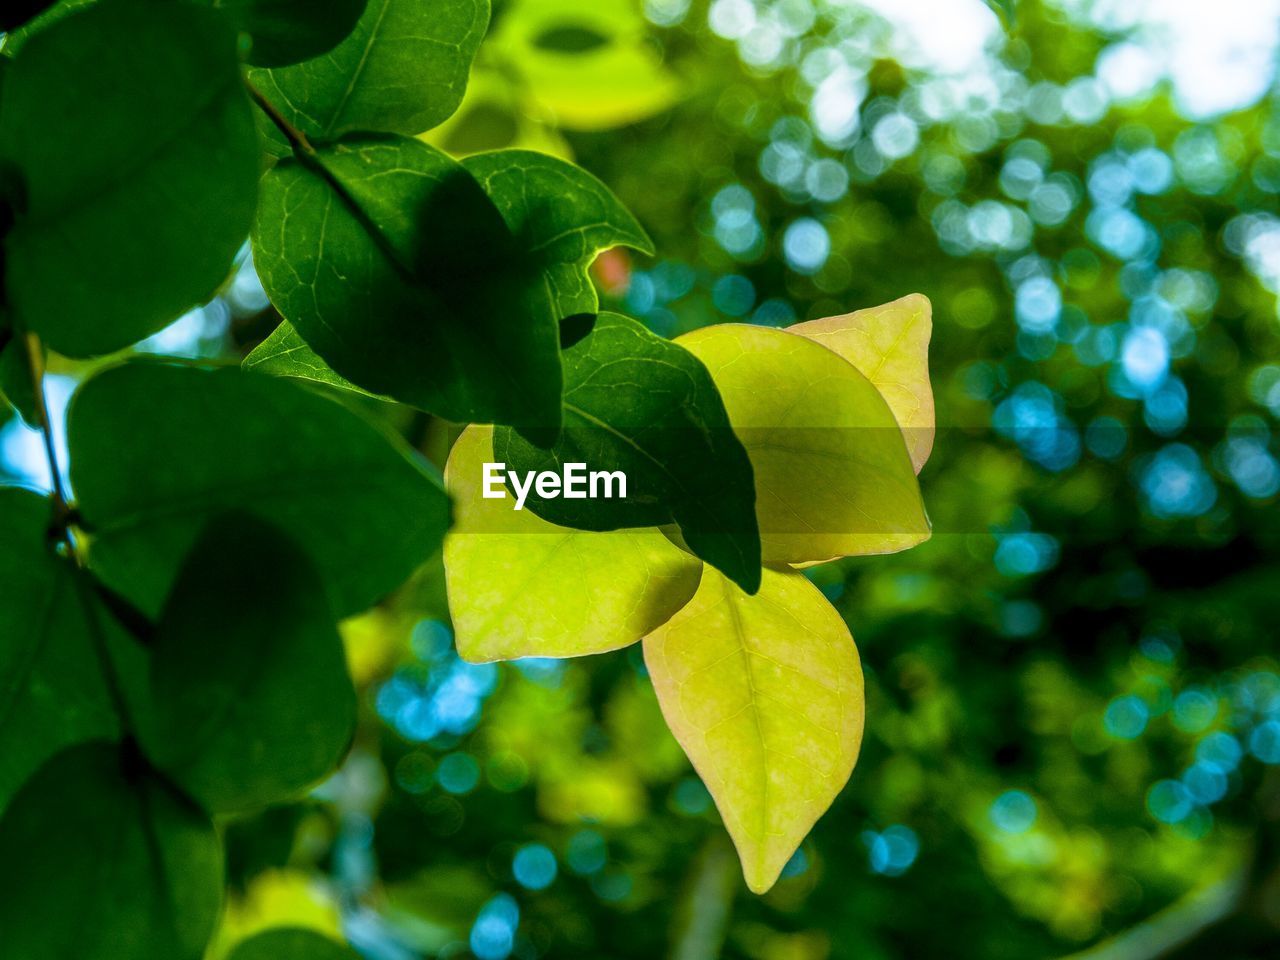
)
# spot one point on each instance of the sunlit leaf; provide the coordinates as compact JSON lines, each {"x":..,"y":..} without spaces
{"x":832,"y":472}
{"x":561,"y":216}
{"x":292,"y":944}
{"x":52,"y":693}
{"x":402,"y":70}
{"x":250,"y":697}
{"x":285,"y":354}
{"x":156,"y":450}
{"x":765,"y":695}
{"x":889,"y":344}
{"x":521,"y":587}
{"x":637,"y":403}
{"x":138,"y":160}
{"x":114,"y":863}
{"x":351,"y":249}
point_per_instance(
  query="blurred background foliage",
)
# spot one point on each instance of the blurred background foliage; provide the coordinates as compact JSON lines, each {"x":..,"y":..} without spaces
{"x":1073,"y":718}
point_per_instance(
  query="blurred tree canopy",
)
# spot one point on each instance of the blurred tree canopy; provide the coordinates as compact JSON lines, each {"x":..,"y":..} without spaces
{"x":1073,"y":695}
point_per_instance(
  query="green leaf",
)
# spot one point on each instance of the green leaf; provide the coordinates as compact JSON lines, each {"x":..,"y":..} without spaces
{"x":51,"y":14}
{"x":765,"y":694}
{"x":138,"y":158}
{"x":18,"y":12}
{"x":250,"y":697}
{"x":285,"y":354}
{"x":561,"y":216}
{"x":641,"y":404}
{"x":402,"y":70}
{"x":291,"y":944}
{"x":832,"y":472}
{"x":52,"y":693}
{"x":157,"y":450}
{"x":398,"y":271}
{"x":15,"y":381}
{"x":889,"y":345}
{"x":522,"y":587}
{"x":284,"y":32}
{"x":114,"y":863}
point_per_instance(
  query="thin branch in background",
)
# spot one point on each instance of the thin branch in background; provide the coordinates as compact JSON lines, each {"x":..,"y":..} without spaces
{"x":701,"y":919}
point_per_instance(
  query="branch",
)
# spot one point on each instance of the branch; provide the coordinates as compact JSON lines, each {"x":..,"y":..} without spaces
{"x":1176,"y":925}
{"x":702,"y":916}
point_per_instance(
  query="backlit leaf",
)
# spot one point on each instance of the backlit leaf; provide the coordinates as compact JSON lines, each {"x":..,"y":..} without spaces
{"x":156,"y":450}
{"x":889,"y":344}
{"x":352,"y":250}
{"x":285,"y":354}
{"x":250,"y":697}
{"x":561,"y":216}
{"x":138,"y":162}
{"x":52,"y":693}
{"x":522,"y":587}
{"x":832,"y":472}
{"x":402,"y":70}
{"x":114,"y":863}
{"x":765,"y":695}
{"x":637,"y":403}
{"x":15,"y":381}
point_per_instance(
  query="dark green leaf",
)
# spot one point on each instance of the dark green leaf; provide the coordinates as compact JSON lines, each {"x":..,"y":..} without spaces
{"x":51,"y":689}
{"x":643,"y":405}
{"x":108,"y":862}
{"x":283,"y":32}
{"x":393,"y":265}
{"x":570,"y":38}
{"x":250,"y":697}
{"x":133,"y":137}
{"x":403,"y":70}
{"x":562,"y":218}
{"x":291,"y":944}
{"x":18,"y":12}
{"x":156,"y":450}
{"x":15,"y":380}
{"x":285,"y":354}
{"x":50,"y":15}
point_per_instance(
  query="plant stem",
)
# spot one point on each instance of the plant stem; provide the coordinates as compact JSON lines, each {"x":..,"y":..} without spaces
{"x":63,"y":516}
{"x":297,"y":139}
{"x":35,"y":366}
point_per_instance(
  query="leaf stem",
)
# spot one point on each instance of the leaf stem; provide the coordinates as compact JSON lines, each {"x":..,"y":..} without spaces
{"x":297,"y":139}
{"x":64,"y":517}
{"x":35,"y":367}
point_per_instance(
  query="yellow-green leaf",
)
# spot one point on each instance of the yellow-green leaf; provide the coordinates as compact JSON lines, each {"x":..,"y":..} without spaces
{"x":520,"y":586}
{"x":616,"y":79}
{"x":833,"y":475}
{"x":889,"y":344}
{"x":765,"y":695}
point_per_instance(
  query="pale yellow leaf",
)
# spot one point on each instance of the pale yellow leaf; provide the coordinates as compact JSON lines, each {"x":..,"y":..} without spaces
{"x":833,"y":475}
{"x":889,"y":344}
{"x":522,"y":587}
{"x":765,"y":695}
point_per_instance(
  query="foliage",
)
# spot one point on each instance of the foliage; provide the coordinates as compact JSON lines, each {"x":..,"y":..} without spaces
{"x":171,"y":647}
{"x":1072,"y":710}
